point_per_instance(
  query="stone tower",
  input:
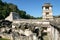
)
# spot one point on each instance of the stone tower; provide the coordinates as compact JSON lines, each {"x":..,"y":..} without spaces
{"x":47,"y":11}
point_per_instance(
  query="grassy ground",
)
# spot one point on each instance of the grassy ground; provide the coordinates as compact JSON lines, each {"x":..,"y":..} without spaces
{"x":3,"y":39}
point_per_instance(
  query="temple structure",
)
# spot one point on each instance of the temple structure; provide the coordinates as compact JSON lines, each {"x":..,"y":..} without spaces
{"x":47,"y":11}
{"x":48,"y":28}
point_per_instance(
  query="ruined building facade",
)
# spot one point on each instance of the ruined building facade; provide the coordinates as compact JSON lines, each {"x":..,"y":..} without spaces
{"x":35,"y":29}
{"x":47,"y":11}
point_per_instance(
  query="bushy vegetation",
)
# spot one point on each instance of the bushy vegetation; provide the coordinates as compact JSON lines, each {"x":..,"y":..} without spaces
{"x":57,"y":16}
{"x":6,"y":8}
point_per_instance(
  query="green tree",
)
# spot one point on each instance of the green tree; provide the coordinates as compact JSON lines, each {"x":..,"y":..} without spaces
{"x":6,"y":8}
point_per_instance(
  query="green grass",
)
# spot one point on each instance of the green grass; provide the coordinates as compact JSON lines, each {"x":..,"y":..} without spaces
{"x":3,"y":39}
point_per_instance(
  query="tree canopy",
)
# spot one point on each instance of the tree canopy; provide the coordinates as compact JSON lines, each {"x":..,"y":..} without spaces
{"x":6,"y":8}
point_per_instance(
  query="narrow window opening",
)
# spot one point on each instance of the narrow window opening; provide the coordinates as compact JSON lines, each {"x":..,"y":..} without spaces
{"x":47,"y":18}
{"x":47,"y":13}
{"x":47,"y":8}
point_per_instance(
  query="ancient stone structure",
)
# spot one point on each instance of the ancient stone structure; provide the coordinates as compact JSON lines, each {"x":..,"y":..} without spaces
{"x":13,"y":16}
{"x":47,"y":11}
{"x":35,"y":29}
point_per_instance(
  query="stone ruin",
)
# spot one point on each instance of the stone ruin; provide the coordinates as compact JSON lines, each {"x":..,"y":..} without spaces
{"x":15,"y":28}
